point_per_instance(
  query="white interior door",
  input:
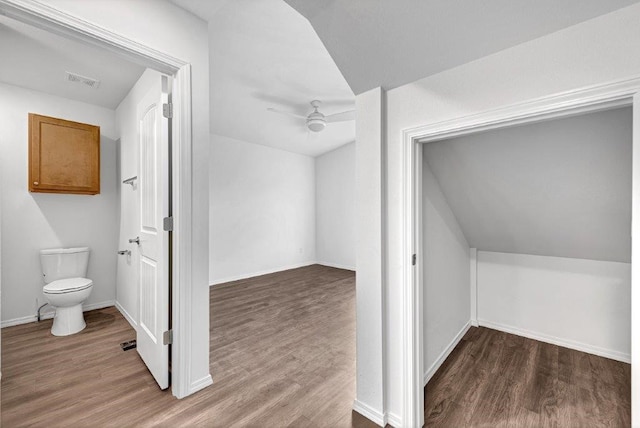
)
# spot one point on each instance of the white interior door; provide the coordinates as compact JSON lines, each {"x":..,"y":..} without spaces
{"x":153,"y":242}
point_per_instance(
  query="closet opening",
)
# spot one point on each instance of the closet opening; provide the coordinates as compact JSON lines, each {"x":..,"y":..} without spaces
{"x":520,"y":219}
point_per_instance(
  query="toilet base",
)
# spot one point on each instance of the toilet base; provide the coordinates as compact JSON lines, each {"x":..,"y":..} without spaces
{"x":68,"y":320}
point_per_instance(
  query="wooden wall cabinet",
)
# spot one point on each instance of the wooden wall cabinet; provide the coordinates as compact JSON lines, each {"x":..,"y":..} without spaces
{"x":64,"y":156}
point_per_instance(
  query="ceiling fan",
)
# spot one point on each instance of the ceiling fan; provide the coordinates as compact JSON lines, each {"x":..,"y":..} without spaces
{"x":317,"y":121}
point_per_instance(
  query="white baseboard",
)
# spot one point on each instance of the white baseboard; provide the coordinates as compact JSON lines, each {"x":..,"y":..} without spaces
{"x":127,"y":316}
{"x":566,"y":343}
{"x":370,"y":413}
{"x":394,"y":420}
{"x":49,"y":314}
{"x":200,"y":384}
{"x":260,"y":273}
{"x":443,"y":356}
{"x":338,"y":266}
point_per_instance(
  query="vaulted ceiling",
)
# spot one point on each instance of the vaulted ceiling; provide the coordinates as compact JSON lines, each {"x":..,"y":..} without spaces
{"x":265,"y":54}
{"x":390,"y":43}
{"x":557,"y":188}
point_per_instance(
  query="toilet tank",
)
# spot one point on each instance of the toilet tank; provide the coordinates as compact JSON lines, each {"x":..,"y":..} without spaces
{"x":61,"y":263}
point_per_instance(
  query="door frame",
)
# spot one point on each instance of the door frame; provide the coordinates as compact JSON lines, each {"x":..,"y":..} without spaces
{"x":624,"y":92}
{"x":50,"y":19}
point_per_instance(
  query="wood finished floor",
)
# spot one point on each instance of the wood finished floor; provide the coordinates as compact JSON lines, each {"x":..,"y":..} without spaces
{"x":495,"y":379}
{"x":282,"y":354}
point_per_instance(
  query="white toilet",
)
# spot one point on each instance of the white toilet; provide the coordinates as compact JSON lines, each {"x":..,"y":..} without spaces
{"x":65,"y":271}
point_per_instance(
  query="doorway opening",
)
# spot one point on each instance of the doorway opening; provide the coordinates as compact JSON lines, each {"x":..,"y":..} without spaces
{"x":589,"y":100}
{"x":540,"y":216}
{"x":62,"y":230}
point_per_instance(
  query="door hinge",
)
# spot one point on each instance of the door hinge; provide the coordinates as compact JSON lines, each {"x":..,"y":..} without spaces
{"x":167,"y":110}
{"x":167,"y":337}
{"x":167,"y":224}
{"x":413,"y":260}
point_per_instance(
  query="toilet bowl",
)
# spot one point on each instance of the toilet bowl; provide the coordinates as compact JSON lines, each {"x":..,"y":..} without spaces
{"x":64,"y":271}
{"x":67,"y":296}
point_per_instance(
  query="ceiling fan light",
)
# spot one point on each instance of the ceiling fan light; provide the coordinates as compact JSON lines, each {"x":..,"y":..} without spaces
{"x":316,"y":125}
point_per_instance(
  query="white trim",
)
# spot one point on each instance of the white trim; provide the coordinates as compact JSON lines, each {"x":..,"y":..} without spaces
{"x":337,"y":266}
{"x":200,"y":384}
{"x":56,"y":21}
{"x":593,"y":98}
{"x":370,"y":413}
{"x":50,"y":19}
{"x":126,"y":315}
{"x":384,"y":334}
{"x":473,"y":285}
{"x":635,"y":266}
{"x":565,"y":343}
{"x":570,"y":103}
{"x":49,"y":314}
{"x":444,"y":354}
{"x":260,"y":273}
{"x":412,"y":316}
{"x":394,"y":420}
{"x":182,"y":317}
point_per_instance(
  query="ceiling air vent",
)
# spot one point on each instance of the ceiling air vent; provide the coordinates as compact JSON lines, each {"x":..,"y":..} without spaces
{"x":87,"y":81}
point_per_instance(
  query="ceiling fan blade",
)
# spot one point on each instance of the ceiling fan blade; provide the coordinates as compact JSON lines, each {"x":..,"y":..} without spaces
{"x":286,"y":113}
{"x":341,"y":117}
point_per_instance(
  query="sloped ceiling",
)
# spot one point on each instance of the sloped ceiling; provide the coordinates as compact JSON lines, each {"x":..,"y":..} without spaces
{"x":204,"y":9}
{"x":391,"y":43}
{"x":558,"y":188}
{"x":36,"y":59}
{"x":265,"y":54}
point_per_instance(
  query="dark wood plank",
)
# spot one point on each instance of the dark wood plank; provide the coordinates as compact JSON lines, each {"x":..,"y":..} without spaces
{"x":495,"y":379}
{"x":282,"y":354}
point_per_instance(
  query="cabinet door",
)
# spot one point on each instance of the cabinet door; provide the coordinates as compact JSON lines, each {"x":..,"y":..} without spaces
{"x":64,"y":156}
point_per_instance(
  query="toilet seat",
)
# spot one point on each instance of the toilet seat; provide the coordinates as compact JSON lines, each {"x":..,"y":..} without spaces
{"x":67,"y":285}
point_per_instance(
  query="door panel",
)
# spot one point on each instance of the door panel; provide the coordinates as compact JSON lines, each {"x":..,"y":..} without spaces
{"x":153,"y":245}
{"x":148,"y":289}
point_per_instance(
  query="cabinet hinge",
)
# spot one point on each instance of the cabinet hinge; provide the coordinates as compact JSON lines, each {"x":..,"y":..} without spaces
{"x":167,"y":110}
{"x":167,"y":224}
{"x":167,"y":337}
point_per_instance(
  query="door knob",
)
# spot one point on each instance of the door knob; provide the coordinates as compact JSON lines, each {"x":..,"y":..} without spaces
{"x":124,"y":252}
{"x":135,"y":240}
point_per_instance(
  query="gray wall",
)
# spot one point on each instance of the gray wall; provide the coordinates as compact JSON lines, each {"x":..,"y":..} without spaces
{"x":558,"y":188}
{"x":446,"y":274}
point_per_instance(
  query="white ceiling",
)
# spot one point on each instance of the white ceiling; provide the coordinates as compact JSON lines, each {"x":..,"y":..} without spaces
{"x":391,"y":43}
{"x":559,"y":188}
{"x":38,"y":60}
{"x":205,"y":9}
{"x":265,"y":54}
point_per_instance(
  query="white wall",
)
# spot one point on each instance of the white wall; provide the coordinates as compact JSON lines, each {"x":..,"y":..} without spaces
{"x":273,"y":210}
{"x":371,"y":368}
{"x":445,"y":255}
{"x":336,"y":207}
{"x":596,"y":51}
{"x":129,"y":215}
{"x":176,"y":32}
{"x":262,"y":210}
{"x":32,"y":221}
{"x":577,"y":303}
